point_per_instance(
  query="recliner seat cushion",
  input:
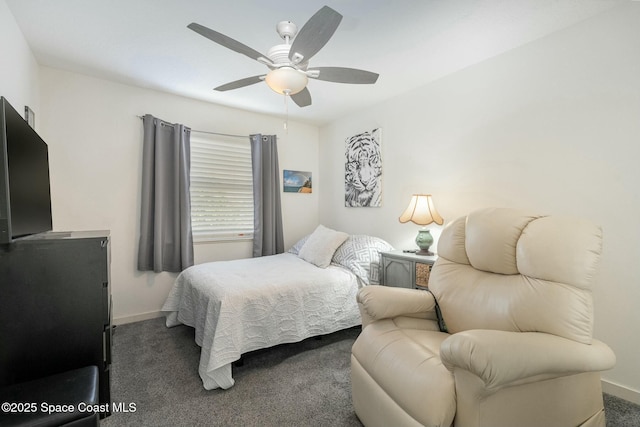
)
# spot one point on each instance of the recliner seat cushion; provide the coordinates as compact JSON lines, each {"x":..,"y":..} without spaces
{"x":402,"y":362}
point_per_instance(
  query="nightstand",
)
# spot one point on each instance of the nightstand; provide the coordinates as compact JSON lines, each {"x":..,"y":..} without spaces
{"x":405,"y":269}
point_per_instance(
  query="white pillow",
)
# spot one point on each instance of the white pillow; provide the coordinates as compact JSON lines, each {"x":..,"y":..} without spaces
{"x":321,"y":245}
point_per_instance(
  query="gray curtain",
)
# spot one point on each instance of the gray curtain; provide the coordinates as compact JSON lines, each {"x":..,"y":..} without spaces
{"x":267,"y":213}
{"x":166,"y":242}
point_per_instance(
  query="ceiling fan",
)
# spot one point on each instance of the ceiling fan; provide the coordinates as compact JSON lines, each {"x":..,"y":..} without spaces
{"x":289,"y":62}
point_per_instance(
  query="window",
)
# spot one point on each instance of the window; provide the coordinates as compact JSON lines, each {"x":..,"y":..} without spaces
{"x":221,"y":188}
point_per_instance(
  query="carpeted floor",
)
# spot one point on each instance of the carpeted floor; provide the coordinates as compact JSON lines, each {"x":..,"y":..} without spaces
{"x":155,"y":376}
{"x":303,"y":384}
{"x":621,"y":413}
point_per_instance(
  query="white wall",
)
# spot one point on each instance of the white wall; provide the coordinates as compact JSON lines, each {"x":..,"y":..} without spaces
{"x":553,"y":126}
{"x":18,"y":68}
{"x":95,"y":149}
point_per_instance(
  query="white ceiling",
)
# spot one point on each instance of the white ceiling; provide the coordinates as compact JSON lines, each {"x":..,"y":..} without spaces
{"x":408,"y":42}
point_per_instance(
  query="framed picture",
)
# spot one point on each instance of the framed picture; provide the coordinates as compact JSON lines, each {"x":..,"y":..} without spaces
{"x":363,"y":170}
{"x":30,"y":116}
{"x":297,"y":182}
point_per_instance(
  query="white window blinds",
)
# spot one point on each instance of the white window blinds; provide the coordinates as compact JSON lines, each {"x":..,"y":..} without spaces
{"x":221,"y":188}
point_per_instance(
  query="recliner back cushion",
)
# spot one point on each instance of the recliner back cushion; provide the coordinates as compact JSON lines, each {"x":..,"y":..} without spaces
{"x":508,"y":270}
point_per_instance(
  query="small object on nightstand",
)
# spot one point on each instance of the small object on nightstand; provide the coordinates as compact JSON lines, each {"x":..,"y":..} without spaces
{"x":409,"y":251}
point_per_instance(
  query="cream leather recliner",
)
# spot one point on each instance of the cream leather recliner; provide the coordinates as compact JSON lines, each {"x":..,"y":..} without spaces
{"x":514,"y":291}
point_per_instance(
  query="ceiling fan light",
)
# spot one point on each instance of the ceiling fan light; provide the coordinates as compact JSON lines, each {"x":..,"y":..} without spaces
{"x":286,"y":80}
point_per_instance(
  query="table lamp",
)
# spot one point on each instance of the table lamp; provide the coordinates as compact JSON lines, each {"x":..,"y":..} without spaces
{"x":421,"y":211}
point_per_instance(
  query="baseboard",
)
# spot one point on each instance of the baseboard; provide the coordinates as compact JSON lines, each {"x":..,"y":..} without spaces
{"x":621,"y":391}
{"x":137,"y":317}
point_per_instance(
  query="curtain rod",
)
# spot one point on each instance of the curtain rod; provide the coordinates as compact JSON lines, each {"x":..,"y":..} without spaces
{"x":212,"y":133}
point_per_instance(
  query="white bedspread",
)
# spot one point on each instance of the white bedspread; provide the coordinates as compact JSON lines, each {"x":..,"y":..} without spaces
{"x":244,"y":305}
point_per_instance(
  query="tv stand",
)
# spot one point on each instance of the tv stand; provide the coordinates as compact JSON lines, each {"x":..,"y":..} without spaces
{"x":55,"y":307}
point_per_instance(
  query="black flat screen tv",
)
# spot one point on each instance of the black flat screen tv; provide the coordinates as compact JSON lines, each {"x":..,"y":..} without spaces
{"x":25,"y":195}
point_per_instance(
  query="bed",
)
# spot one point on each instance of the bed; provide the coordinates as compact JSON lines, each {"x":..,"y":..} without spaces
{"x":249,"y":304}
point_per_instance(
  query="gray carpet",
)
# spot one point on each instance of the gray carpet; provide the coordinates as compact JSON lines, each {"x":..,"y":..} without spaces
{"x":303,"y":384}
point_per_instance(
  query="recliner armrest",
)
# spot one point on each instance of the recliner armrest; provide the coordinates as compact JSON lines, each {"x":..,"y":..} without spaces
{"x":501,"y":358}
{"x":383,"y":302}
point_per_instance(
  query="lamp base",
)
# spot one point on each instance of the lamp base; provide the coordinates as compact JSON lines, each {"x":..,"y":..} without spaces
{"x":425,"y":252}
{"x":424,"y":240}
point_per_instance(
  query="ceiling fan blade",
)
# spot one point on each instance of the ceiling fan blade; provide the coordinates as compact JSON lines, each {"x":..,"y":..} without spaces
{"x":240,"y":83}
{"x":302,"y":98}
{"x":314,"y":34}
{"x":343,"y":75}
{"x":228,"y":42}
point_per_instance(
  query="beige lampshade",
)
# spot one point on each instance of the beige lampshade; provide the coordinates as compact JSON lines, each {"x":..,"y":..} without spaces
{"x":421,"y":211}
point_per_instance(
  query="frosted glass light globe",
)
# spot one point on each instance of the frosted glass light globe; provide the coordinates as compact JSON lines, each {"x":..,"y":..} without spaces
{"x":286,"y":80}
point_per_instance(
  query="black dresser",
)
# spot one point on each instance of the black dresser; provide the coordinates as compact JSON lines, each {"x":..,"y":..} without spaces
{"x":55,"y":306}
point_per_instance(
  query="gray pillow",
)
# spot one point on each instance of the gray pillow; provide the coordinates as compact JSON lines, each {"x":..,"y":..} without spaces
{"x":361,"y":254}
{"x":295,"y":249}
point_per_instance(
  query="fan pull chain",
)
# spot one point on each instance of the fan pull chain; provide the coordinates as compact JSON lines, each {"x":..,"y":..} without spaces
{"x":286,"y":111}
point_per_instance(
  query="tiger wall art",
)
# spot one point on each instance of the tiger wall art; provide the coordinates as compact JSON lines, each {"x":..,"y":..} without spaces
{"x":363,"y":170}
